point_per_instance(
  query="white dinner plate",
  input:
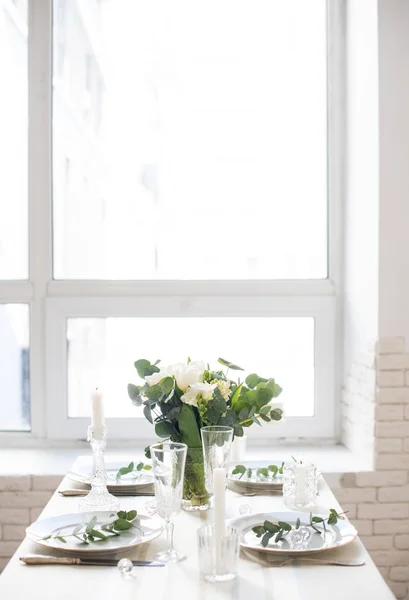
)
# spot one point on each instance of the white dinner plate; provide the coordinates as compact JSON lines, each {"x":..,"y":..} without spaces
{"x":337,"y":535}
{"x":83,"y":472}
{"x":256,"y":481}
{"x":145,"y":529}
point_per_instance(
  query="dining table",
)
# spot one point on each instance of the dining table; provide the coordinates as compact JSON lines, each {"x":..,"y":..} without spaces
{"x":296,"y":580}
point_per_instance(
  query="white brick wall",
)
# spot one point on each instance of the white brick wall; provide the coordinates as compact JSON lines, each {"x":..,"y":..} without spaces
{"x":22,"y":499}
{"x":380,"y":499}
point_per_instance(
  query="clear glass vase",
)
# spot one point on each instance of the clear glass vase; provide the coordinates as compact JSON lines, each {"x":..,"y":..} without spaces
{"x":195,"y":495}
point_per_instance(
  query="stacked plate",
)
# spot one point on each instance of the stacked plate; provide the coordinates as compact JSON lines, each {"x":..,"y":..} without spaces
{"x":132,"y":484}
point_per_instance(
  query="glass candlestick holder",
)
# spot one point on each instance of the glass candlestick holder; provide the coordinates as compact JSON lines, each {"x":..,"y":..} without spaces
{"x":99,"y":498}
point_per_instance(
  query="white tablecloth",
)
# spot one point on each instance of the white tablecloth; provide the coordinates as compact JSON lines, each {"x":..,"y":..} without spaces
{"x":181,"y":581}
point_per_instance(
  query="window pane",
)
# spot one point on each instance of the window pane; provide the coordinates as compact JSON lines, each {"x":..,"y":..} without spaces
{"x":14,"y":368}
{"x":101,"y":352}
{"x":13,"y":140}
{"x":190,"y":139}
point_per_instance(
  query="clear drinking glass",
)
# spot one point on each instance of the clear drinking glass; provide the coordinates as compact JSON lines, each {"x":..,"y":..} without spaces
{"x":218,"y":557}
{"x":216,"y":441}
{"x":168,"y":462}
{"x":299,"y":484}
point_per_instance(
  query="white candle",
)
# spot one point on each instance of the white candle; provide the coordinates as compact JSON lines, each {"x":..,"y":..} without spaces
{"x":97,"y":415}
{"x":219,"y":488}
{"x":238,"y":449}
{"x":301,"y":479}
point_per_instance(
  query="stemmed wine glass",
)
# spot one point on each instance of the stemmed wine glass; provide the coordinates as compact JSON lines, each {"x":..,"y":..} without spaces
{"x":168,"y":462}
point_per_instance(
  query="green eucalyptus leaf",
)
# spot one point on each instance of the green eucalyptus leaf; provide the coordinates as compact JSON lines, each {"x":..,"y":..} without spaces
{"x":148,"y":413}
{"x":167,"y":385}
{"x":273,"y":469}
{"x":139,"y":466}
{"x":144,"y":368}
{"x":264,"y":410}
{"x":276,"y":414}
{"x":266,"y":538}
{"x":147,"y":467}
{"x":239,"y":469}
{"x":122,"y":524}
{"x":332,"y":520}
{"x":91,"y":524}
{"x":297,"y":523}
{"x":238,"y":430}
{"x":98,"y":534}
{"x":244,"y":413}
{"x":266,"y":419}
{"x":271,"y":527}
{"x":253,"y":380}
{"x":130,"y":515}
{"x":61,"y":539}
{"x":281,"y":469}
{"x":148,"y":452}
{"x":134,"y":392}
{"x":259,"y":530}
{"x":284,"y":526}
{"x":230,"y":365}
{"x":263,"y":471}
{"x":279,"y":536}
{"x":317,"y":520}
{"x":163,"y":429}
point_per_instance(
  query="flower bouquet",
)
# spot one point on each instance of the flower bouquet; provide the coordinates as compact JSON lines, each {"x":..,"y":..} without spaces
{"x":179,"y":399}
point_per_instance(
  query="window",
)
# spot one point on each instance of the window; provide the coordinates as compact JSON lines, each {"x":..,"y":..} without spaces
{"x":13,"y":142}
{"x":203,"y":94}
{"x":14,"y":368}
{"x":182,"y":200}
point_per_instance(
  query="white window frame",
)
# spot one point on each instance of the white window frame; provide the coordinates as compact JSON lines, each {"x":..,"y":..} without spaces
{"x":52,"y":302}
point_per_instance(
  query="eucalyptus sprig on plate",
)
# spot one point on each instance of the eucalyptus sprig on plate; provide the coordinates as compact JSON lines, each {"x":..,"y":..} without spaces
{"x":132,"y":468}
{"x":280,"y":529}
{"x":264,"y":472}
{"x":90,"y":531}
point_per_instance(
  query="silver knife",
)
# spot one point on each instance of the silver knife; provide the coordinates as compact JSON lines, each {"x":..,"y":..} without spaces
{"x":78,"y":492}
{"x":39,"y":559}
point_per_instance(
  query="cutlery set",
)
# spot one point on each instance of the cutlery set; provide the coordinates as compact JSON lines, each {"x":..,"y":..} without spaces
{"x":117,"y":492}
{"x":40,"y":559}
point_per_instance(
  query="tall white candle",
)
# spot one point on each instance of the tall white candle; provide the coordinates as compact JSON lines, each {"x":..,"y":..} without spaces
{"x":219,"y":489}
{"x":238,"y":449}
{"x":97,"y":415}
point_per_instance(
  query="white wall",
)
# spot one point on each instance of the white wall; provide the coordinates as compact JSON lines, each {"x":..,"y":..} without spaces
{"x":360,"y":277}
{"x":394,"y":168}
{"x":361,"y":194}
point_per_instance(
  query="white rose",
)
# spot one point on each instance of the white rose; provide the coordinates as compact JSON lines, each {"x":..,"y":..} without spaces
{"x":156,"y":377}
{"x":186,"y":375}
{"x":205,"y":389}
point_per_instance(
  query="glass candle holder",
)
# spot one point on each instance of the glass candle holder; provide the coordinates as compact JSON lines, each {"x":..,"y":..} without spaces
{"x":216,"y":442}
{"x":99,"y":498}
{"x":299,"y":484}
{"x":218,"y":556}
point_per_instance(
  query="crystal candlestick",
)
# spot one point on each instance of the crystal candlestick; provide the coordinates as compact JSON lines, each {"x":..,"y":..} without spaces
{"x":99,"y":498}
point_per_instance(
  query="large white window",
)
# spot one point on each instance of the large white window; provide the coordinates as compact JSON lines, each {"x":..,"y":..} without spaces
{"x":181,"y":201}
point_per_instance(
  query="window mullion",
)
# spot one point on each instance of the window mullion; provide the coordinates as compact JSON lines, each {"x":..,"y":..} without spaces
{"x":39,"y":190}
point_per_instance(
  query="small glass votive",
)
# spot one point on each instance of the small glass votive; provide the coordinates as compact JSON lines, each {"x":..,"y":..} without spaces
{"x":299,"y":484}
{"x":218,"y":557}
